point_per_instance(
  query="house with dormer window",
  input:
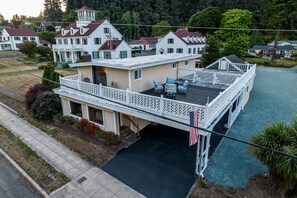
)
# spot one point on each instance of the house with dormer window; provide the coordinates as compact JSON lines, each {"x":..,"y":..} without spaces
{"x":11,"y":38}
{"x":182,"y":42}
{"x":87,"y":37}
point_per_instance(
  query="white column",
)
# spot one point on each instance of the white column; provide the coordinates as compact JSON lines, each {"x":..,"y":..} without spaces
{"x":72,"y":57}
{"x":55,"y":56}
{"x":65,"y":57}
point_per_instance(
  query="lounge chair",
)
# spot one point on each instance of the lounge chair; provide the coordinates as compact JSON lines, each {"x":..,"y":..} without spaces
{"x":158,"y":87}
{"x":183,"y":88}
{"x":170,"y":87}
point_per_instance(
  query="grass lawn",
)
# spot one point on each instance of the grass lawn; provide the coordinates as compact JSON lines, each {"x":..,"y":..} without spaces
{"x":31,"y":163}
{"x":286,"y":63}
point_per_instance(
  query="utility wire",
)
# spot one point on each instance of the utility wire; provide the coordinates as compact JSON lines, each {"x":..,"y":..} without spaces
{"x":176,"y":26}
{"x":199,"y":128}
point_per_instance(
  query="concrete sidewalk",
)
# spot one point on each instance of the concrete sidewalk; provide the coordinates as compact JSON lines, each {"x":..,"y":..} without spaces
{"x":86,"y":180}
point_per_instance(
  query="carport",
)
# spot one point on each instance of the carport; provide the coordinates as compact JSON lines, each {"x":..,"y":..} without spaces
{"x":160,"y":164}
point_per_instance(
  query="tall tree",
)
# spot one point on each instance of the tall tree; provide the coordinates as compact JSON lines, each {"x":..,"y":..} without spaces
{"x":53,"y":10}
{"x":237,"y":39}
{"x":212,"y":51}
{"x":131,"y":31}
{"x":3,"y":21}
{"x":209,"y":17}
{"x":161,"y":28}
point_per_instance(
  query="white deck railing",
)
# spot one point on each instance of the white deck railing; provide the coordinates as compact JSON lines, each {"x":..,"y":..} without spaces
{"x":223,"y":100}
{"x":158,"y":105}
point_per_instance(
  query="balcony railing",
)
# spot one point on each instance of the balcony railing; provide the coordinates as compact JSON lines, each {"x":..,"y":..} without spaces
{"x":158,"y":105}
{"x":68,"y":47}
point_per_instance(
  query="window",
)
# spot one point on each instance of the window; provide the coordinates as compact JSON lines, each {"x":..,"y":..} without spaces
{"x":85,"y":41}
{"x":186,"y":62}
{"x":107,"y":55}
{"x":179,"y":50}
{"x":78,"y":41}
{"x":96,"y":115}
{"x":174,"y":65}
{"x":17,"y":38}
{"x":106,"y":30}
{"x":60,"y":41}
{"x":75,"y":109}
{"x":25,"y":38}
{"x":169,"y":50}
{"x":137,"y":74}
{"x":194,"y":50}
{"x":190,"y":50}
{"x":123,"y":54}
{"x":170,"y":41}
{"x":32,"y":38}
{"x":97,"y":41}
{"x":71,"y":41}
{"x":95,"y":54}
{"x":65,"y":41}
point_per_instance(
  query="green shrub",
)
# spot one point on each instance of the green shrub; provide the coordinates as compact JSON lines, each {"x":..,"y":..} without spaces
{"x":58,"y":116}
{"x":65,"y":65}
{"x":46,"y":105}
{"x":41,"y":67}
{"x":68,"y":120}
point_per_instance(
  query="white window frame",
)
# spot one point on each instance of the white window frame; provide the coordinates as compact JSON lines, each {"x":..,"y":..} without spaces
{"x":139,"y":77}
{"x":103,"y":116}
{"x":186,"y":62}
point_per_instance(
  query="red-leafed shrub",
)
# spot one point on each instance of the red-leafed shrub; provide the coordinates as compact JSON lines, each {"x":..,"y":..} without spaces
{"x":87,"y":127}
{"x":112,"y":138}
{"x":33,"y":92}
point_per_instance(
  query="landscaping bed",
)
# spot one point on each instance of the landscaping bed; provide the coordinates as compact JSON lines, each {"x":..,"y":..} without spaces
{"x":38,"y":169}
{"x":283,"y":62}
{"x":95,"y":153}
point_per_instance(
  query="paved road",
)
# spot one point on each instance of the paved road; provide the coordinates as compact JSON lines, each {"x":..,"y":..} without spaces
{"x":12,"y":184}
{"x":272,"y":99}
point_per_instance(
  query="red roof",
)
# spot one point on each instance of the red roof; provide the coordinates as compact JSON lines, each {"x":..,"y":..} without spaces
{"x":41,"y":41}
{"x":85,"y":8}
{"x":20,"y":32}
{"x":91,"y":27}
{"x":110,"y":44}
{"x":145,"y":40}
{"x":182,"y":33}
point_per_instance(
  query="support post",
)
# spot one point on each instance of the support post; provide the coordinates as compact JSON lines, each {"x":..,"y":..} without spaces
{"x":100,"y":86}
{"x":161,"y":105}
{"x":127,"y":97}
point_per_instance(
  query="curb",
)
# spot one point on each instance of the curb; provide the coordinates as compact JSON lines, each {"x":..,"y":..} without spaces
{"x":8,"y":108}
{"x":34,"y":184}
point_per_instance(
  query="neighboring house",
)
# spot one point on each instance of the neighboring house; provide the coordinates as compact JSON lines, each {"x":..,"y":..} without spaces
{"x":279,"y":43}
{"x":182,"y":41}
{"x":46,"y":26}
{"x":144,"y":46}
{"x":91,"y":38}
{"x":12,"y":37}
{"x":117,"y":94}
{"x":45,"y":43}
{"x":266,"y":50}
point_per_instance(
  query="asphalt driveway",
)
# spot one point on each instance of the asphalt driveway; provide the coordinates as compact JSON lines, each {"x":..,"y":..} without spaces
{"x":160,"y":164}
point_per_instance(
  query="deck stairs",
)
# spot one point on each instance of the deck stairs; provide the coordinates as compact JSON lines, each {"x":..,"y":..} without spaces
{"x":128,"y":136}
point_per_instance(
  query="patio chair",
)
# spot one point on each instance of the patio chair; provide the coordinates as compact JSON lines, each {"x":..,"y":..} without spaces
{"x":183,"y":88}
{"x":158,"y":87}
{"x":169,"y":80}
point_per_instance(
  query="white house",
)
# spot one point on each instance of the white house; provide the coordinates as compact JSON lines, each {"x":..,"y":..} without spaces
{"x":144,"y":44}
{"x":11,"y":38}
{"x":182,"y":41}
{"x":86,"y":36}
{"x":117,"y":94}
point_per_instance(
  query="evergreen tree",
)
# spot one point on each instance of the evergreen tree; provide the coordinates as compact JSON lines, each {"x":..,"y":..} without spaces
{"x":52,"y":10}
{"x":212,"y":51}
{"x":161,"y":28}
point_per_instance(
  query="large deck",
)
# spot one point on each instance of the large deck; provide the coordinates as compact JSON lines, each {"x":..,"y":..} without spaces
{"x":195,"y":94}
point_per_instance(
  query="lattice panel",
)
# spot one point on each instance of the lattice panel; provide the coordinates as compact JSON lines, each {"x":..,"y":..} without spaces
{"x":144,"y":101}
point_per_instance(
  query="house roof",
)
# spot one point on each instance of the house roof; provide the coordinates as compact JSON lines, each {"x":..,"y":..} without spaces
{"x":234,"y":59}
{"x":268,"y":48}
{"x":85,"y":8}
{"x":138,"y":62}
{"x":110,"y":44}
{"x":145,"y":40}
{"x":20,"y":32}
{"x":183,"y":33}
{"x":92,"y":26}
{"x":41,"y":41}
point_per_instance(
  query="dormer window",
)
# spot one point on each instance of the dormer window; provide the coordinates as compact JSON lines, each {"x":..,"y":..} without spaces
{"x":81,"y":30}
{"x":71,"y":31}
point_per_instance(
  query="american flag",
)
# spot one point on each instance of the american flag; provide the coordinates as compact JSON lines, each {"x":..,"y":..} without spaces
{"x":193,"y":131}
